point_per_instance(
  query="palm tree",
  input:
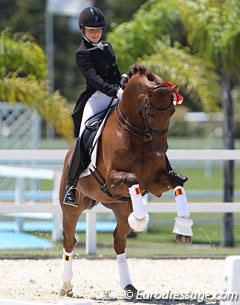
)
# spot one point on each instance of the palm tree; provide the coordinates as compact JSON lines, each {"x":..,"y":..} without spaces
{"x":209,"y":58}
{"x":23,"y":79}
{"x":213,"y":29}
{"x":150,"y":39}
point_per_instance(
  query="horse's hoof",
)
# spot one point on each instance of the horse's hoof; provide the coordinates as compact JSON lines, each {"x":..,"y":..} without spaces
{"x":130,"y":292}
{"x":66,"y":290}
{"x":183,"y":240}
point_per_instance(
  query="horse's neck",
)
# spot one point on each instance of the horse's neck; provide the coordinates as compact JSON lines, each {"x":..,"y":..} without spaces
{"x":129,"y":109}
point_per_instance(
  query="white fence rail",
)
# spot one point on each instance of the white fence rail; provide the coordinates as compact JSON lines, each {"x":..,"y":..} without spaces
{"x":173,"y":154}
{"x":22,"y":173}
{"x":53,"y":207}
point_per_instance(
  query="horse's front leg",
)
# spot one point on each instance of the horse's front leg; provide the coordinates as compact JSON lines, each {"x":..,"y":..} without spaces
{"x":118,"y":182}
{"x":183,"y":224}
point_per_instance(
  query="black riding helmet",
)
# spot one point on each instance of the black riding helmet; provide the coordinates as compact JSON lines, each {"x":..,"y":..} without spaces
{"x":91,"y":17}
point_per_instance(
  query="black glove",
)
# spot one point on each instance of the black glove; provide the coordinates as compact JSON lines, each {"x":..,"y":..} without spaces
{"x":123,"y":80}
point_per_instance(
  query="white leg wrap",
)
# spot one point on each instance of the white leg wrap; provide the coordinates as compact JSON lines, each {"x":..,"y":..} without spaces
{"x":67,"y":272}
{"x":123,"y":270}
{"x":183,"y":223}
{"x":139,"y":209}
{"x":181,"y":201}
{"x":183,"y":226}
{"x":137,"y":220}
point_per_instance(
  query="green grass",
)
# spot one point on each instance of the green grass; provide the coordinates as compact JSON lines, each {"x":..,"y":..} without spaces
{"x":199,"y":180}
{"x":198,"y":143}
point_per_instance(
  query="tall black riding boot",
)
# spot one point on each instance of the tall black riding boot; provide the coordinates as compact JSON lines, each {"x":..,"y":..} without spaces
{"x":73,"y":176}
{"x":176,"y":179}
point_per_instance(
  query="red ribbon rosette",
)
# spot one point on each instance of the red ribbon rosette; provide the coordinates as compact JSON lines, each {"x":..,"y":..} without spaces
{"x":178,"y":98}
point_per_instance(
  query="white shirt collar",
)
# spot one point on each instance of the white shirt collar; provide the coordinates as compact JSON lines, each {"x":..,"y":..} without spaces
{"x":99,"y":45}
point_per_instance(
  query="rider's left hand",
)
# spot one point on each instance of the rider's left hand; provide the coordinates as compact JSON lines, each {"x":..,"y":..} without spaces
{"x":120,"y":93}
{"x":123,"y":80}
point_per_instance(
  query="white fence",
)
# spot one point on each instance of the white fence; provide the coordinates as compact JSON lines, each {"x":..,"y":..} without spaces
{"x":179,"y":154}
{"x":22,"y":173}
{"x":58,"y":156}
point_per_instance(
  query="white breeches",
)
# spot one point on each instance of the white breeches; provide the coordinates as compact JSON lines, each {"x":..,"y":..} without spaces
{"x":96,"y":103}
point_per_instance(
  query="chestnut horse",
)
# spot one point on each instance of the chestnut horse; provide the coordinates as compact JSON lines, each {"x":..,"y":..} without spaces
{"x":131,"y":159}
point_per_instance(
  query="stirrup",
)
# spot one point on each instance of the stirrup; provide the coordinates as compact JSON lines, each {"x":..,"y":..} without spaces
{"x":71,"y":201}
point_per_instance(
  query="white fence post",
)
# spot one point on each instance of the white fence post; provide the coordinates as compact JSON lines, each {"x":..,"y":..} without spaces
{"x":57,"y":224}
{"x":57,"y":216}
{"x":231,"y":281}
{"x":91,"y":232}
{"x":19,"y":198}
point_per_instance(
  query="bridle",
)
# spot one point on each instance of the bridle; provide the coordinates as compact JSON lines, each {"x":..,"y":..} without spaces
{"x":148,"y":133}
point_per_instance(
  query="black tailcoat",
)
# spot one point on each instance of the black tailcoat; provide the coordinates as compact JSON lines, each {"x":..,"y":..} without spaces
{"x":100,"y":70}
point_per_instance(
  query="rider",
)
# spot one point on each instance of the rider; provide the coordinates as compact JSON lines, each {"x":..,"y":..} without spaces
{"x":97,"y":62}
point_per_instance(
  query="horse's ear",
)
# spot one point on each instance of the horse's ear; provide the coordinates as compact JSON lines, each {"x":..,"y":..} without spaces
{"x":173,"y":89}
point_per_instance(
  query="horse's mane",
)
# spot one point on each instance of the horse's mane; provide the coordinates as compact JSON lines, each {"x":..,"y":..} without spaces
{"x":142,"y":70}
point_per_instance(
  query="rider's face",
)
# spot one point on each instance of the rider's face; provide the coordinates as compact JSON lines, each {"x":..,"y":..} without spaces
{"x":94,"y":35}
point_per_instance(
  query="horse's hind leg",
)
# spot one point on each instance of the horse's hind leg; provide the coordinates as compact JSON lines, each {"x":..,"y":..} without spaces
{"x":70,"y":218}
{"x":122,"y":211}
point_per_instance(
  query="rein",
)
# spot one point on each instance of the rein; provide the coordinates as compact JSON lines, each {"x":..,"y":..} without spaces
{"x":148,"y":133}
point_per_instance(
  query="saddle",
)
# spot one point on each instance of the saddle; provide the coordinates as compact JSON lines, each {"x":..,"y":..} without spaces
{"x":91,"y":135}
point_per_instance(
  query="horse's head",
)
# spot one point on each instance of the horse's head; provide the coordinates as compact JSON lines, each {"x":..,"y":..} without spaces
{"x":157,"y":104}
{"x":151,"y":104}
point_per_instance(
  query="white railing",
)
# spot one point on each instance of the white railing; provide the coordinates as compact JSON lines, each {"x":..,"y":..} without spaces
{"x":173,"y":154}
{"x":22,"y":173}
{"x":58,"y":156}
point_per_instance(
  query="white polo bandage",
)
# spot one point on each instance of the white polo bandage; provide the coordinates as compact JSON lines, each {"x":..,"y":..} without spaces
{"x":181,"y":202}
{"x":123,"y":270}
{"x":139,"y":209}
{"x":66,"y":272}
{"x":183,"y":226}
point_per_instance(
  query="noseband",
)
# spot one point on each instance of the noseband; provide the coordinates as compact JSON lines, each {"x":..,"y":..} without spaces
{"x":148,"y":133}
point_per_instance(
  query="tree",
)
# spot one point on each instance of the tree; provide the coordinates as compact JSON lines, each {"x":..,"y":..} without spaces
{"x":29,"y":16}
{"x":152,"y":31}
{"x":213,"y":28}
{"x":22,"y":79}
{"x":209,"y":58}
